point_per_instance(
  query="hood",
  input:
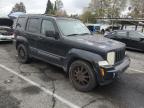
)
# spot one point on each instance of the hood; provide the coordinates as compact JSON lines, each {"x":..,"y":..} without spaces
{"x":6,"y":22}
{"x":99,"y":42}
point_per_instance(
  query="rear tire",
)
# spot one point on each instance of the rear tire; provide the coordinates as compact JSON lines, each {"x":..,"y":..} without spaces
{"x":23,"y":56}
{"x":82,"y":76}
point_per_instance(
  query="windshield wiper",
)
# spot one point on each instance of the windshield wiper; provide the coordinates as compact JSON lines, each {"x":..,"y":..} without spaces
{"x":72,"y":34}
{"x":85,"y":34}
{"x":78,"y":34}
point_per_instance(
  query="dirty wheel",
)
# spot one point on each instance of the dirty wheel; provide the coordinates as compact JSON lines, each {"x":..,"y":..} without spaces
{"x":22,"y":54}
{"x":82,"y":76}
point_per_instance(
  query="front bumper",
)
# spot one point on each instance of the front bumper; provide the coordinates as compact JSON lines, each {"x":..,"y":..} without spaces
{"x":6,"y":38}
{"x":112,"y":72}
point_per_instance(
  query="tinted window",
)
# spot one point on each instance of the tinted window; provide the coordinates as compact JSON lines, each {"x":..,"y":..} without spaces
{"x":33,"y":25}
{"x":91,"y":28}
{"x":134,"y":34}
{"x":122,"y":34}
{"x":21,"y":23}
{"x":47,"y":26}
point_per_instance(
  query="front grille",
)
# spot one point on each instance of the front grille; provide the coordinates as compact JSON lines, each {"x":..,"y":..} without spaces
{"x":120,"y":54}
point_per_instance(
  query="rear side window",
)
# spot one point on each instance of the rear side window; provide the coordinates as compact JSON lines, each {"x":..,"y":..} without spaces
{"x":122,"y":34}
{"x":20,"y":25}
{"x":33,"y":25}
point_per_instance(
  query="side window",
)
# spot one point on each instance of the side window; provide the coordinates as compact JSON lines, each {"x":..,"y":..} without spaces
{"x":113,"y":33}
{"x":33,"y":25}
{"x":90,"y":28}
{"x":20,"y":25}
{"x":134,"y":35}
{"x":122,"y":34}
{"x":47,"y":26}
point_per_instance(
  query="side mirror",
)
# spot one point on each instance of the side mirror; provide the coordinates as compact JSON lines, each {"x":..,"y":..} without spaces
{"x":52,"y":34}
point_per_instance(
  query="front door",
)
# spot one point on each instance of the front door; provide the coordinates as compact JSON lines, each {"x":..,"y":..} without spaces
{"x":50,"y":48}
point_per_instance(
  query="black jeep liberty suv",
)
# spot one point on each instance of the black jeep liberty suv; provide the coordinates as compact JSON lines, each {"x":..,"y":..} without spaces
{"x":67,"y":43}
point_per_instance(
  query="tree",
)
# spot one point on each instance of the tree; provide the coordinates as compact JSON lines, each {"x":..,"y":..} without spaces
{"x":107,"y":8}
{"x":55,"y":7}
{"x":88,"y":17}
{"x":61,"y":13}
{"x":137,"y":9}
{"x":19,"y":7}
{"x":49,"y":8}
{"x":59,"y":4}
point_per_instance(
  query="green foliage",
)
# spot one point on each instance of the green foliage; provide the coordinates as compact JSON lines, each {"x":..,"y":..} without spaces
{"x":49,"y":8}
{"x":59,"y":4}
{"x":137,"y":9}
{"x":88,"y":17}
{"x":55,"y":9}
{"x":19,"y":7}
{"x":55,"y":6}
{"x":107,"y":8}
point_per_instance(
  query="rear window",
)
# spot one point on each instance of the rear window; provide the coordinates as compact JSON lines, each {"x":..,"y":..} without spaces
{"x":21,"y":23}
{"x":33,"y":25}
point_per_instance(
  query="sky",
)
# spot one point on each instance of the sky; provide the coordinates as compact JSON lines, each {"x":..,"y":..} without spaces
{"x":39,"y":6}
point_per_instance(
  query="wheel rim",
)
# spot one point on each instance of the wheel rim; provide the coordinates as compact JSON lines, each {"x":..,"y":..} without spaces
{"x":81,"y":75}
{"x":22,"y":53}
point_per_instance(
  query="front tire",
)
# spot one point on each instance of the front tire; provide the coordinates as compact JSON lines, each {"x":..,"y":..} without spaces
{"x":82,"y":76}
{"x":23,"y":56}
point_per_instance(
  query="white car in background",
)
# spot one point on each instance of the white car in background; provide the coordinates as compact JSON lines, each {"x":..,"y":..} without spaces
{"x":6,"y":33}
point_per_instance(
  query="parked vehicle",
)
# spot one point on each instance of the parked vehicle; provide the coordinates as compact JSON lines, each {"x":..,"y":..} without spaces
{"x":67,"y":43}
{"x":94,"y":28}
{"x":132,"y":39}
{"x":102,"y":28}
{"x":6,"y":31}
{"x":108,"y":28}
{"x":6,"y":34}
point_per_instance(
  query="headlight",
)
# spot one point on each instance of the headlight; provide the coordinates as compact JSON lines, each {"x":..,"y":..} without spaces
{"x":111,"y":58}
{"x":103,"y":63}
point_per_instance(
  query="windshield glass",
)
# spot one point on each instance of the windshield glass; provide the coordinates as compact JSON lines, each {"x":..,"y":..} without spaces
{"x":72,"y":27}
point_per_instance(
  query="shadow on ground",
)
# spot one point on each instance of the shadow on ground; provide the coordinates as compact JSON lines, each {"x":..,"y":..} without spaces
{"x":128,"y":92}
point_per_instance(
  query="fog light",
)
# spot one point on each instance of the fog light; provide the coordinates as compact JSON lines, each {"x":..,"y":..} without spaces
{"x":102,"y":71}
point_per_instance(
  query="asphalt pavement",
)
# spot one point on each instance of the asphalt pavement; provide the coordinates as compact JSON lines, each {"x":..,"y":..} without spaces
{"x":41,"y":85}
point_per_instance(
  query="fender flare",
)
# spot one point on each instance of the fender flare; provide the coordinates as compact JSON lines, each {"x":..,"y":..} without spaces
{"x":22,"y":40}
{"x":92,"y":58}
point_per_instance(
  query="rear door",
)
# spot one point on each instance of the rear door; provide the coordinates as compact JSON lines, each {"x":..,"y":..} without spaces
{"x":19,"y":27}
{"x":32,"y":33}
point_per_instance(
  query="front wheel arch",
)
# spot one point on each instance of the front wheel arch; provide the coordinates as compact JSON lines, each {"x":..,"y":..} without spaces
{"x":93,"y":79}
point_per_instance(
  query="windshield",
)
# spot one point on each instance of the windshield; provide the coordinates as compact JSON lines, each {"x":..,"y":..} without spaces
{"x":72,"y":27}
